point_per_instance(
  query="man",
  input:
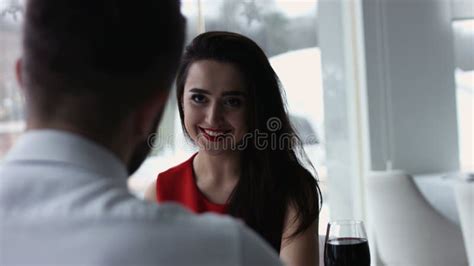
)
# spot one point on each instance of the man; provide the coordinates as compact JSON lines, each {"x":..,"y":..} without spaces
{"x":96,"y":75}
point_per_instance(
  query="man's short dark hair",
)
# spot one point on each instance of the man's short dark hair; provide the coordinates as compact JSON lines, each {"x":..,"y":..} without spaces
{"x":106,"y":55}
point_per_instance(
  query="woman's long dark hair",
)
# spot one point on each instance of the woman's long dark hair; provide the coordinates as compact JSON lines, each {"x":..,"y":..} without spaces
{"x":272,"y":177}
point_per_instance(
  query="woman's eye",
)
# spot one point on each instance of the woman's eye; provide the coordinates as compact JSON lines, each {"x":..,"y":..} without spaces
{"x":198,"y":98}
{"x":233,"y":102}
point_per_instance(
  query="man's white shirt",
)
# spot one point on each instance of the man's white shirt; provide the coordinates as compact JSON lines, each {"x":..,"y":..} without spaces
{"x":64,"y":201}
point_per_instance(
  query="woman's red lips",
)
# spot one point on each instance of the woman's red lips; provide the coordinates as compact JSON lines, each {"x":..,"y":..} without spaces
{"x":213,"y":134}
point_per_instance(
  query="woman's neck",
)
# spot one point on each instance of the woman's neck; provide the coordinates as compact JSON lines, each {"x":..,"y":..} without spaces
{"x":220,"y":170}
{"x":217,"y":175}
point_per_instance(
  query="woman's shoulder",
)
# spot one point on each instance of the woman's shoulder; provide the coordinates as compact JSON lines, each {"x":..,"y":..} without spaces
{"x":304,"y":196}
{"x":301,"y":179}
{"x":171,"y":184}
{"x":177,"y":171}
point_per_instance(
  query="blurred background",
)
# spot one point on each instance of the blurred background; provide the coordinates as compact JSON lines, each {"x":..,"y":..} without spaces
{"x":372,"y":86}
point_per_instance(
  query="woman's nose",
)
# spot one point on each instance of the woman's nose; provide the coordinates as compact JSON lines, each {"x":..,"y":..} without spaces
{"x":214,"y":114}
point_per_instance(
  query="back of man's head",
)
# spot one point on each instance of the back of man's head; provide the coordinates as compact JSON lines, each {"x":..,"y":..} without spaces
{"x":91,"y":62}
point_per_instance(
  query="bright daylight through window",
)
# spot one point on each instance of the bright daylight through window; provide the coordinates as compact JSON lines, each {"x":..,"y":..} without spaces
{"x":464,"y":39}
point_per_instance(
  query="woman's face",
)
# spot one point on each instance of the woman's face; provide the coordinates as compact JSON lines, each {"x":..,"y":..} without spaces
{"x":215,"y":105}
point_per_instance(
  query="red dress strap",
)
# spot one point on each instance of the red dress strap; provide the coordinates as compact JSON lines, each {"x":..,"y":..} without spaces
{"x":178,"y":184}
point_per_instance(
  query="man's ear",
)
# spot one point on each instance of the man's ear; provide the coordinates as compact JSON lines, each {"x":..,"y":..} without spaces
{"x":19,"y":71}
{"x":149,"y":114}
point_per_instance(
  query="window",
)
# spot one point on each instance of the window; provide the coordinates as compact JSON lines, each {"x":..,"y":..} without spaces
{"x":463,"y":41}
{"x":11,"y":100}
{"x":287,"y":32}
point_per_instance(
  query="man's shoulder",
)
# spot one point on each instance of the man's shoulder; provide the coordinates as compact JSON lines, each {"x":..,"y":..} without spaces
{"x":130,"y":230}
{"x":133,"y":211}
{"x":174,"y":215}
{"x":170,"y":231}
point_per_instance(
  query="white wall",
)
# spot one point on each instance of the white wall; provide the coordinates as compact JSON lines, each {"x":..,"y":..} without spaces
{"x":410,"y":84}
{"x":389,"y":93}
{"x":462,"y":9}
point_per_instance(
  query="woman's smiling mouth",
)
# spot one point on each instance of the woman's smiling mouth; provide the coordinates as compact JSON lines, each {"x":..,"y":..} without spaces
{"x":213,"y":134}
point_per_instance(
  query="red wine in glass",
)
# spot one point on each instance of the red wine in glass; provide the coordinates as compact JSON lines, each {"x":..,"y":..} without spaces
{"x":347,"y":251}
{"x":346,"y":244}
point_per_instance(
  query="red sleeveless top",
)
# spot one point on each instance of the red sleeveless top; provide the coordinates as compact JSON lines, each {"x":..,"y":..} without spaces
{"x":178,"y":184}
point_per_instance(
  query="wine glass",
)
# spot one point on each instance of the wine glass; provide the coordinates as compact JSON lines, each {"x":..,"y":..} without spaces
{"x":346,"y":244}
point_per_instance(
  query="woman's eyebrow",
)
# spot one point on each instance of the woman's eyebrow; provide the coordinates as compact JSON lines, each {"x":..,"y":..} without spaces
{"x":227,"y":93}
{"x":197,"y":90}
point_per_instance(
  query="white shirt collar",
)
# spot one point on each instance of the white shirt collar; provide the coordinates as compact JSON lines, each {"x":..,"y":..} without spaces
{"x":65,"y":147}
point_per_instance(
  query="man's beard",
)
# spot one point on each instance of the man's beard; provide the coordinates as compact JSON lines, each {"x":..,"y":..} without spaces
{"x":142,"y":149}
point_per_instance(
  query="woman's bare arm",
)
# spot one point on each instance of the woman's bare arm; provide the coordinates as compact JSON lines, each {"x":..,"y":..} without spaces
{"x":303,"y":249}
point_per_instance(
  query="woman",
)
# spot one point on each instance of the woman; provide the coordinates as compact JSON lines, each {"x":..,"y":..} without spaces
{"x":248,"y":164}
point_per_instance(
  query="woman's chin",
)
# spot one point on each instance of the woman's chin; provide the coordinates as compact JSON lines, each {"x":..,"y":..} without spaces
{"x":215,"y":149}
